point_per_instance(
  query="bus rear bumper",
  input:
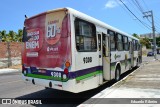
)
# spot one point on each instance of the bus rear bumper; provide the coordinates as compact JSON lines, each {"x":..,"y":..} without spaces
{"x":43,"y":82}
{"x":71,"y":85}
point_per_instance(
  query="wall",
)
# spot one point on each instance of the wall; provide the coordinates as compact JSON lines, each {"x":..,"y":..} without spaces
{"x":10,"y":54}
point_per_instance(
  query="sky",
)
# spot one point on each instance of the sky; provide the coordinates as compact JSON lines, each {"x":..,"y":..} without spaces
{"x":112,"y":12}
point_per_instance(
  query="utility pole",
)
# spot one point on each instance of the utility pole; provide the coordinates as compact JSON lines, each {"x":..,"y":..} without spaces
{"x":150,"y":14}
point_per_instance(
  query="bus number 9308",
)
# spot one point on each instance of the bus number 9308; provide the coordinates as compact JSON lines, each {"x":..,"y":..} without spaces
{"x":87,"y":60}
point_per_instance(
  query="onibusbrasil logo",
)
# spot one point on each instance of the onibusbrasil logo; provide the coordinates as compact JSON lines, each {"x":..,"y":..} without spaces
{"x":17,"y":101}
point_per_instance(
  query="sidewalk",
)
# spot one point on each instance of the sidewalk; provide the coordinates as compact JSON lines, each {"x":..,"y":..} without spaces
{"x":14,"y":68}
{"x":141,"y":83}
{"x":8,"y":70}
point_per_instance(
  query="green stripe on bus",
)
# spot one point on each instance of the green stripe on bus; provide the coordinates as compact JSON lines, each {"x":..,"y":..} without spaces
{"x":59,"y":79}
{"x":88,"y":75}
{"x":45,"y":77}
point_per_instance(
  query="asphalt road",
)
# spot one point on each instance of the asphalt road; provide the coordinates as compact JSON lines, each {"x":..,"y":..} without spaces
{"x":12,"y":86}
{"x":150,"y":58}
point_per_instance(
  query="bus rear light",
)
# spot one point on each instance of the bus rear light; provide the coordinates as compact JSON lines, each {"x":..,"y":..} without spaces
{"x":59,"y":85}
{"x":66,"y":70}
{"x":67,"y":64}
{"x":25,"y":72}
{"x":64,"y":76}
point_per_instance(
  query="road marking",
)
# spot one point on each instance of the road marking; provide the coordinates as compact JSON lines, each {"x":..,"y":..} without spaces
{"x":11,"y":82}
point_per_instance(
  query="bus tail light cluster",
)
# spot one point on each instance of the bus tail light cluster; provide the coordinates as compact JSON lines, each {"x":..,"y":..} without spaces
{"x":66,"y":70}
{"x":67,"y":65}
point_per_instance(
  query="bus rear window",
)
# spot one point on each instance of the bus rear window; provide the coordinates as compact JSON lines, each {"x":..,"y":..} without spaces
{"x":85,"y":33}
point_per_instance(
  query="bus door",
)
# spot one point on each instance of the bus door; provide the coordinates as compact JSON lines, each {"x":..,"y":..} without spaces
{"x":100,"y":55}
{"x":132,"y":54}
{"x":106,"y":57}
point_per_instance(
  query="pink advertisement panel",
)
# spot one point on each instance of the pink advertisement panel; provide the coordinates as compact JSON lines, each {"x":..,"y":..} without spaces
{"x":48,"y":42}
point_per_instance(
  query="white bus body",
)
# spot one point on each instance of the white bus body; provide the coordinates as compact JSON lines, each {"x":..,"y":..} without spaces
{"x":68,"y":50}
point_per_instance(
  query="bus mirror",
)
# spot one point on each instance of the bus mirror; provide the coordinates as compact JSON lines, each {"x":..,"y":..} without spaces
{"x":24,"y":36}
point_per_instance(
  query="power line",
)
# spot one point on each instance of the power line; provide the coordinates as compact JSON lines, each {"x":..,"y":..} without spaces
{"x":124,"y":9}
{"x":136,"y":3}
{"x":145,"y":5}
{"x":132,"y":17}
{"x":157,"y":18}
{"x":133,"y":6}
{"x":157,"y":25}
{"x":140,"y":7}
{"x":146,"y":25}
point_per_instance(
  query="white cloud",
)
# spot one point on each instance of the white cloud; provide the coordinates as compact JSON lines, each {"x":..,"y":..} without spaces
{"x":113,"y":3}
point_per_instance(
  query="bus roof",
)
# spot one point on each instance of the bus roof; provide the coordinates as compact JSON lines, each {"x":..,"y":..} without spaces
{"x":98,"y":22}
{"x":87,"y":18}
{"x":49,"y":11}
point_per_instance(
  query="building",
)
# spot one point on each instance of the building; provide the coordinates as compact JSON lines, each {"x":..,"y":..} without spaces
{"x":149,"y":35}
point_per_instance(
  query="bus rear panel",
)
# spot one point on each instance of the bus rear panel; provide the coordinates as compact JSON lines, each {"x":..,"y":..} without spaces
{"x":46,"y":53}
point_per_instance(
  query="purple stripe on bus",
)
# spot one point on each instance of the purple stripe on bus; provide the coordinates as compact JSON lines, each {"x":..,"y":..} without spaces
{"x":71,"y":75}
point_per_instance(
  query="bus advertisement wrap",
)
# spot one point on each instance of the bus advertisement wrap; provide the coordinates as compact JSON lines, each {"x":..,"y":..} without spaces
{"x":47,"y":44}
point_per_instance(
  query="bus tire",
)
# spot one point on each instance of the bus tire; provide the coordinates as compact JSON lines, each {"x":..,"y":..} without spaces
{"x":117,"y":73}
{"x":47,"y":88}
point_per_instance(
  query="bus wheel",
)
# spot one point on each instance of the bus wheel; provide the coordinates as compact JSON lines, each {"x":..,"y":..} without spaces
{"x":47,"y":88}
{"x":117,"y":73}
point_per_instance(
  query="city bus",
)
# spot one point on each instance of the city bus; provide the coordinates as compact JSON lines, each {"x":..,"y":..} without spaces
{"x":68,"y":50}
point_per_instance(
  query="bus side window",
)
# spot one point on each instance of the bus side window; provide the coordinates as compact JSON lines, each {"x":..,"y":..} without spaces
{"x":130,"y":47}
{"x":119,"y":42}
{"x":137,"y":45}
{"x":85,"y":35}
{"x":104,"y":44}
{"x":125,"y":43}
{"x":112,"y":40}
{"x":134,"y":45}
{"x":99,"y":41}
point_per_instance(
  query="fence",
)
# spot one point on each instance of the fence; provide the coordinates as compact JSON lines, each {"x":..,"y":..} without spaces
{"x":10,"y":53}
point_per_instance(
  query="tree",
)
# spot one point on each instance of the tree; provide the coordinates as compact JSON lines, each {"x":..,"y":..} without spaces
{"x":145,"y":42}
{"x":158,"y":41}
{"x":19,"y":35}
{"x":3,"y":34}
{"x":135,"y":35}
{"x":11,"y":36}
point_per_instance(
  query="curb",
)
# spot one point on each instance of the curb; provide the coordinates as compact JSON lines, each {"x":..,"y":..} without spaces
{"x":136,"y":70}
{"x":116,"y":85}
{"x":6,"y":71}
